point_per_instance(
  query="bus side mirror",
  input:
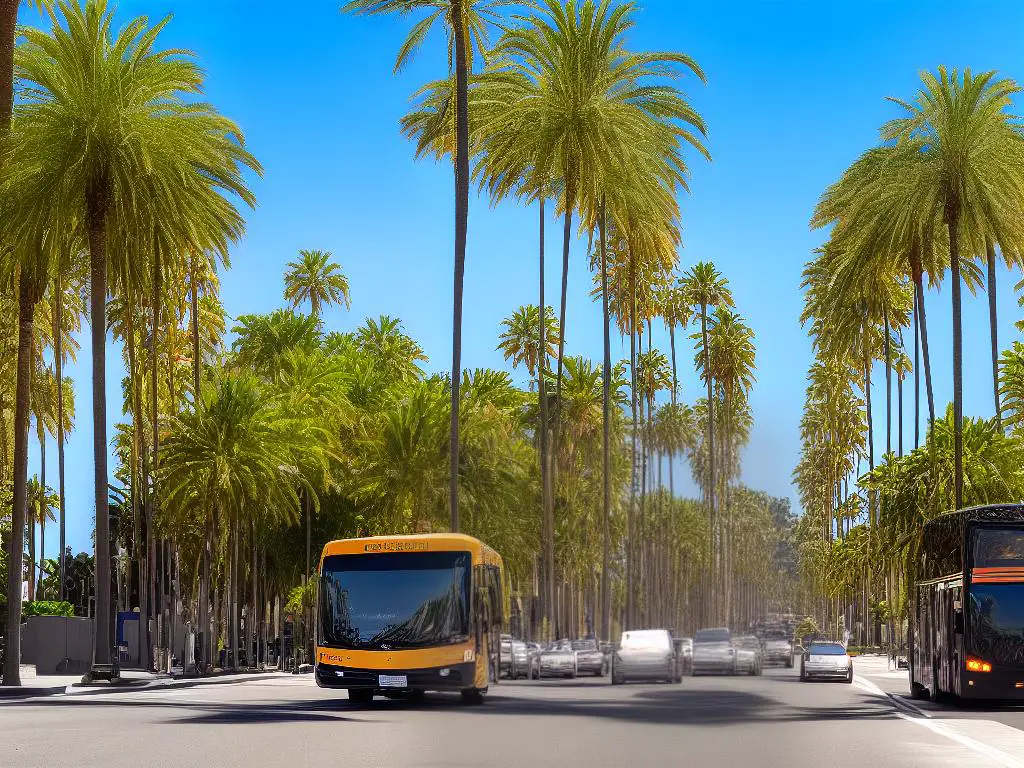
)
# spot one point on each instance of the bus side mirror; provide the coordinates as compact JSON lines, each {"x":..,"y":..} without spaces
{"x":958,"y":622}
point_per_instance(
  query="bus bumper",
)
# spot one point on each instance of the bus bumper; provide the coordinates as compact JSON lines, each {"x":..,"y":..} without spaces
{"x":1008,"y":685}
{"x":453,"y":677}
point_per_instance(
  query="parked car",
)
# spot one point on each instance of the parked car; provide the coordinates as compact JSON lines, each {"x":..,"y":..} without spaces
{"x":520,"y":659}
{"x":749,"y":658}
{"x":826,"y":660}
{"x":556,"y":660}
{"x":713,"y":652}
{"x":506,"y":660}
{"x":589,"y":658}
{"x":778,"y":650}
{"x":646,"y":654}
{"x":684,"y":651}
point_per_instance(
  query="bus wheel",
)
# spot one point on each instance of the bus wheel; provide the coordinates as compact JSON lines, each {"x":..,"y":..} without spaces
{"x":472,"y":696}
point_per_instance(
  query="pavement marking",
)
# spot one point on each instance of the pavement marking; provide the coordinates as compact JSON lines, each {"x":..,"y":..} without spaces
{"x":1004,"y":735}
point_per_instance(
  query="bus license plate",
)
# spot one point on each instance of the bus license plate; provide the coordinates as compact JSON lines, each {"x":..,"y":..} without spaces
{"x":393,"y":681}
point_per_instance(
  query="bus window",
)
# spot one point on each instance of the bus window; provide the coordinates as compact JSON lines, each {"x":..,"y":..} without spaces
{"x":995,"y":547}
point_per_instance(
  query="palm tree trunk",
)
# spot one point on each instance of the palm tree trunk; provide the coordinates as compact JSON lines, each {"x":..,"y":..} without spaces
{"x":27,"y":296}
{"x":918,"y":275}
{"x":715,"y":554}
{"x":8,"y":24}
{"x":672,"y":346}
{"x":547,"y":512}
{"x":58,"y":361}
{"x":606,"y":377}
{"x":631,"y":521}
{"x":888,"y":382}
{"x":993,"y":322}
{"x":140,"y":480}
{"x":33,"y":515}
{"x":44,"y":508}
{"x":953,"y":223}
{"x":458,"y":17}
{"x":154,"y":406}
{"x":233,"y":631}
{"x":917,"y":372}
{"x":97,"y":202}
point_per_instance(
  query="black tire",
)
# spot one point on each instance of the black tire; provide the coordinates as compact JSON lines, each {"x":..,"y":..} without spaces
{"x":360,"y":695}
{"x":849,"y":676}
{"x":617,"y":679}
{"x":934,"y":694}
{"x":472,"y":696}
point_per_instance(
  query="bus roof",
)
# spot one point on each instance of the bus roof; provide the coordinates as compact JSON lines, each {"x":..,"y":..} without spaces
{"x":987,"y":513}
{"x":437,"y":542}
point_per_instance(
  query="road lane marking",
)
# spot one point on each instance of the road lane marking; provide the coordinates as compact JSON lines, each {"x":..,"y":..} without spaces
{"x":1000,"y":733}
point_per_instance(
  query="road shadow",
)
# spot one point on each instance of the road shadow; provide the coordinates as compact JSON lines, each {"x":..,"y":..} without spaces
{"x":216,"y":713}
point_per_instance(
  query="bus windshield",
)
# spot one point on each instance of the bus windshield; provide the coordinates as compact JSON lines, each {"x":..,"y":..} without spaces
{"x":997,"y":622}
{"x":395,"y":600}
{"x":994,"y":547}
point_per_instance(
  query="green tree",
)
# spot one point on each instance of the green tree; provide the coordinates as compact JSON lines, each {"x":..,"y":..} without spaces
{"x":466,"y":23}
{"x":973,"y":151}
{"x":316,"y":279}
{"x":520,"y":338}
{"x":141,"y":151}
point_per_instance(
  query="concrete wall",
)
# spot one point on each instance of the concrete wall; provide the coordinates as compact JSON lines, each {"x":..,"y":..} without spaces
{"x":57,"y":644}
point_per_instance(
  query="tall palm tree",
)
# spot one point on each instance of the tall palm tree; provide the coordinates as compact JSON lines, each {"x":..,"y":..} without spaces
{"x":466,"y":23}
{"x":316,"y":279}
{"x":973,"y":151}
{"x":142,"y":150}
{"x":705,"y":288}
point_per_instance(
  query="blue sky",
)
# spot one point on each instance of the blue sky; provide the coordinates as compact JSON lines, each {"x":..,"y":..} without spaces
{"x":795,"y":91}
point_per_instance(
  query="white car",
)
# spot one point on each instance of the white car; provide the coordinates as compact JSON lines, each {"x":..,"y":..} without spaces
{"x":827,"y":661}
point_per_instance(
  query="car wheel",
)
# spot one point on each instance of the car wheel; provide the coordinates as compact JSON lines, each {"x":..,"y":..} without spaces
{"x":617,"y":679}
{"x":849,"y":675}
{"x":360,"y":695}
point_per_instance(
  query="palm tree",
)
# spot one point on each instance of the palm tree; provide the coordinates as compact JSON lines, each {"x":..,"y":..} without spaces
{"x":143,"y":150}
{"x":973,"y":151}
{"x":227,"y":453}
{"x":520,"y":338}
{"x":704,"y":288}
{"x":316,"y":279}
{"x":466,"y":23}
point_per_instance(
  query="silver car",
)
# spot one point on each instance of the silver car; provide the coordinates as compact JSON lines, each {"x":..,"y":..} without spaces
{"x":646,"y":654}
{"x":557,"y":660}
{"x":749,"y":658}
{"x":826,"y":660}
{"x":589,"y":658}
{"x":713,"y":652}
{"x":778,"y":650}
{"x":520,"y":659}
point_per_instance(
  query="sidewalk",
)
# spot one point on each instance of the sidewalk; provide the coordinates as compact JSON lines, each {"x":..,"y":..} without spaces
{"x":877,"y":669}
{"x":130,"y":680}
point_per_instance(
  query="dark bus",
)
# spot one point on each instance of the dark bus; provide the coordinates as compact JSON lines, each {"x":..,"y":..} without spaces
{"x":967,"y":623}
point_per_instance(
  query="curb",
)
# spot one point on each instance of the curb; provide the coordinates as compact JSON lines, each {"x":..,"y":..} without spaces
{"x":77,"y":689}
{"x":162,"y":685}
{"x":26,"y":691}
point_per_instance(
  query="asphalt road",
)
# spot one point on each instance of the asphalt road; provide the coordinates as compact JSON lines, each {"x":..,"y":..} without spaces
{"x":766,"y":721}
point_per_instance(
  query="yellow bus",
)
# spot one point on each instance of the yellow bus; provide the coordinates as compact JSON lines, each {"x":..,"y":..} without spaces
{"x":401,"y":615}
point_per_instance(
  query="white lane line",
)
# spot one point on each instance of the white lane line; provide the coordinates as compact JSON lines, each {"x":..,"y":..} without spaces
{"x":998,"y":732}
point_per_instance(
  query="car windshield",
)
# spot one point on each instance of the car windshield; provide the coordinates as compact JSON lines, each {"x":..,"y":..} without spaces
{"x":712,"y":636}
{"x":645,"y":640}
{"x":826,"y":649}
{"x":584,"y":645}
{"x":394,"y":600}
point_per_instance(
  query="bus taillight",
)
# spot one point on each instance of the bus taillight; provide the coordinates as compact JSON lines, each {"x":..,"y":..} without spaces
{"x":977,"y":665}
